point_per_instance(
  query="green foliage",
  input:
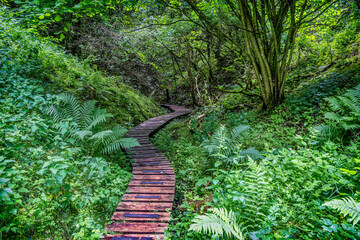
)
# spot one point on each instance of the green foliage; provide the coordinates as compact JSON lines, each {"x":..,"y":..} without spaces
{"x":222,"y":144}
{"x":50,"y":185}
{"x":256,"y":191}
{"x":60,"y":18}
{"x":347,"y":206}
{"x":225,"y":146}
{"x":315,"y":92}
{"x":44,"y":61}
{"x":346,"y":109}
{"x":86,"y":123}
{"x":220,"y":222}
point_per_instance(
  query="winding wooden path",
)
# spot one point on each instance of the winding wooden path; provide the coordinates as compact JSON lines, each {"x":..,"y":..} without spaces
{"x":144,"y":212}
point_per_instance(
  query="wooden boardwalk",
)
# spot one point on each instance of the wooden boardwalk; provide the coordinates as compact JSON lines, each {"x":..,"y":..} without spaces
{"x":144,"y":212}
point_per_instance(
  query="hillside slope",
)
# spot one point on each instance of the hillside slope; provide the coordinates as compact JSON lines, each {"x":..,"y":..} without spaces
{"x":63,"y":72}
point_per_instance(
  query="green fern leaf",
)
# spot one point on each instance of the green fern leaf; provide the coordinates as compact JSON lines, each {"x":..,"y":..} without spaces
{"x":219,"y":222}
{"x":347,"y":206}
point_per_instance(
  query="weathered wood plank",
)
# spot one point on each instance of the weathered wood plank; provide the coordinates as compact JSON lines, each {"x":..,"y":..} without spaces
{"x":134,"y":227}
{"x":148,"y":197}
{"x":145,"y":206}
{"x":151,"y":172}
{"x":146,"y":164}
{"x":150,"y":190}
{"x":135,"y":237}
{"x":141,"y":183}
{"x":154,"y":167}
{"x":154,"y":177}
{"x":124,"y":216}
{"x":151,"y":159}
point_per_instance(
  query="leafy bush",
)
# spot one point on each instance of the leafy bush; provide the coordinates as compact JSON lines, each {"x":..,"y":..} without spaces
{"x":45,"y":61}
{"x":289,"y":189}
{"x":313,"y":94}
{"x":49,"y":186}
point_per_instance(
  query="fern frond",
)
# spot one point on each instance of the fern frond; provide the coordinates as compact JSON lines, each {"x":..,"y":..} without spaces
{"x":346,"y":109}
{"x":223,"y":143}
{"x":120,"y":143}
{"x":333,"y":116}
{"x":347,"y":206}
{"x":219,"y":222}
{"x":83,"y":134}
{"x":101,"y":135}
{"x":239,"y":132}
{"x":99,"y":116}
{"x":257,"y":189}
{"x":251,"y":152}
{"x":55,"y":114}
{"x":71,"y":107}
{"x":86,"y":110}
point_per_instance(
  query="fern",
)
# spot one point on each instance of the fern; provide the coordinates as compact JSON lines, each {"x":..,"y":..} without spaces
{"x":250,"y":152}
{"x":326,"y":132}
{"x":219,"y":222}
{"x":347,"y":206}
{"x":225,"y":144}
{"x":346,"y":109}
{"x":85,"y":122}
{"x":257,"y":189}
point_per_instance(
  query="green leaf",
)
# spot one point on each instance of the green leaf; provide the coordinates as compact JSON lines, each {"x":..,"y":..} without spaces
{"x":218,"y":163}
{"x":60,"y":176}
{"x":57,"y":18}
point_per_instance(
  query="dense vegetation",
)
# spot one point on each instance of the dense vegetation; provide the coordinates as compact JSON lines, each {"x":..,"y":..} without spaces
{"x":55,"y":179}
{"x":271,"y":150}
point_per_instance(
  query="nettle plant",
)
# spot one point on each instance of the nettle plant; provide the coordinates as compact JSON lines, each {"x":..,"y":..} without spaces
{"x":84,"y":122}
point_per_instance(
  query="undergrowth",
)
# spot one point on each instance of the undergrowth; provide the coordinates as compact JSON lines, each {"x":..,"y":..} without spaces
{"x":302,"y":169}
{"x":60,"y":72}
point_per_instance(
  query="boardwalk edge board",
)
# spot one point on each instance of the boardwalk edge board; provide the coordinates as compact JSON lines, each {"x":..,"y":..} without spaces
{"x":144,"y":212}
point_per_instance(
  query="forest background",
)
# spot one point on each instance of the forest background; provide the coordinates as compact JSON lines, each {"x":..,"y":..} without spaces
{"x":272,"y":144}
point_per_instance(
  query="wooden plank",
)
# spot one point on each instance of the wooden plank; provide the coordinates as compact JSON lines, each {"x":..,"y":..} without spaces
{"x":135,"y":237}
{"x":150,"y":190}
{"x":124,"y":216}
{"x":144,"y":148}
{"x":144,"y":206}
{"x":134,"y":227}
{"x":146,"y":151}
{"x":151,"y":172}
{"x":152,"y":167}
{"x":148,"y":197}
{"x":153,"y":153}
{"x":151,"y":159}
{"x":140,"y":155}
{"x":154,"y":177}
{"x":157,"y":163}
{"x":152,"y":183}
